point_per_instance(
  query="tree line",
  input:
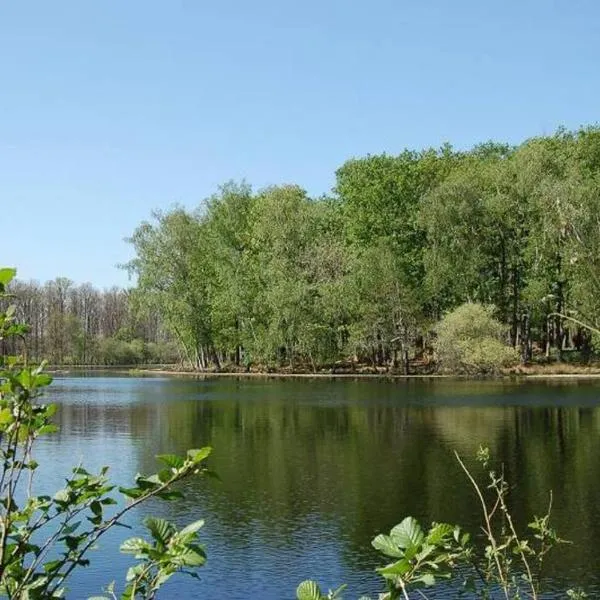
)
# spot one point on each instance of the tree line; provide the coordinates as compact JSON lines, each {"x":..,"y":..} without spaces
{"x":72,"y":324}
{"x":275,"y":277}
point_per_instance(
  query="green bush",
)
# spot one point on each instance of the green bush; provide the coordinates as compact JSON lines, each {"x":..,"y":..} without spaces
{"x":470,"y":340}
{"x":162,"y":352}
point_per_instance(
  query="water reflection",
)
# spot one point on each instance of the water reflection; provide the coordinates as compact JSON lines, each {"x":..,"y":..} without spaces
{"x":311,"y":470}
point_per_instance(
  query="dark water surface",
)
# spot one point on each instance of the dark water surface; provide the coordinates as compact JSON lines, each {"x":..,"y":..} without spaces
{"x":311,"y":470}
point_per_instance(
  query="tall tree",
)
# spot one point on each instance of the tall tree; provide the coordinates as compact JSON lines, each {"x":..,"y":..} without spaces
{"x":174,"y":274}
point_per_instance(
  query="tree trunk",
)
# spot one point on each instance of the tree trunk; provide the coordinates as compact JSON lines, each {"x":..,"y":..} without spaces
{"x":515,"y":307}
{"x":525,"y":340}
{"x":215,"y":358}
{"x":238,"y":348}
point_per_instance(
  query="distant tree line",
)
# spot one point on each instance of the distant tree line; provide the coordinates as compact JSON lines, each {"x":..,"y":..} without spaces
{"x":80,"y":325}
{"x":275,"y":277}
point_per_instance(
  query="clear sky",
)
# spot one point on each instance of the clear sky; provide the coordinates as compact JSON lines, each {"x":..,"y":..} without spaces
{"x":112,"y":108}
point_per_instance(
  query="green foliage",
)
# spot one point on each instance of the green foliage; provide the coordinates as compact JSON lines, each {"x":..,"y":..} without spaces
{"x":44,"y":538}
{"x":577,"y":594}
{"x":422,"y":559}
{"x":277,"y":279}
{"x":310,"y":590}
{"x":175,"y":277}
{"x":470,"y":339}
{"x":71,"y":324}
{"x":170,"y":551}
{"x":510,"y":565}
{"x":6,"y":276}
{"x":512,"y":561}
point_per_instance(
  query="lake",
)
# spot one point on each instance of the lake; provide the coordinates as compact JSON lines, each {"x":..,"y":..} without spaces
{"x":312,"y":469}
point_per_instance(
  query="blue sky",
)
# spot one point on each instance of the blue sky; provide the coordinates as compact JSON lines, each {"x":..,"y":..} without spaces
{"x":111,"y":109}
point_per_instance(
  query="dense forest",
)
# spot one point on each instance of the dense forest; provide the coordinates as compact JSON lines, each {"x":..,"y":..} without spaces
{"x":276,"y":279}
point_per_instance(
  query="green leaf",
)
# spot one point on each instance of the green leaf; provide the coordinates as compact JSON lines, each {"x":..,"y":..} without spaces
{"x":134,"y":571}
{"x":53,"y":565}
{"x":425,"y":551}
{"x":163,"y":577}
{"x":62,"y":496}
{"x":38,"y":583}
{"x":25,"y":378}
{"x":193,"y":557}
{"x":400,"y":567}
{"x":439,"y":532}
{"x":171,"y":460}
{"x":7,"y":275}
{"x":96,"y":508}
{"x":164,"y":475}
{"x":386,"y":545}
{"x":42,"y":380}
{"x":408,"y":533}
{"x":309,"y":590}
{"x":131,"y":492}
{"x":134,"y":545}
{"x":51,"y":428}
{"x":6,"y":416}
{"x":72,"y":542}
{"x":427,"y":579}
{"x":338,"y":592}
{"x":81,"y":471}
{"x":69,"y":529}
{"x":160,"y":529}
{"x":170,"y":495}
{"x":198,"y":455}
{"x":150,"y":482}
{"x":192,"y":527}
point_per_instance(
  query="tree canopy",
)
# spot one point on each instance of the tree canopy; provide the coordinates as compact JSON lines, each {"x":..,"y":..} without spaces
{"x":275,"y":277}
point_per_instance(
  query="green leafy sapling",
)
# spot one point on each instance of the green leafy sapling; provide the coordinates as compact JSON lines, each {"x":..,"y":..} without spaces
{"x":512,"y":561}
{"x":420,"y":559}
{"x":510,"y":565}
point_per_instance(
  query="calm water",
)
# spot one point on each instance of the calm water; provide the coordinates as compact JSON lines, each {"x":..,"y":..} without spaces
{"x":312,"y":470}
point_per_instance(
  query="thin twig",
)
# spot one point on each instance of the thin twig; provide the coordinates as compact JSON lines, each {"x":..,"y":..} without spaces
{"x":518,"y":542}
{"x":403,"y":588}
{"x":489,"y":532}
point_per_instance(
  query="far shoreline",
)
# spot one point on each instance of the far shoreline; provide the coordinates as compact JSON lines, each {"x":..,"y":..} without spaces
{"x":539,"y":372}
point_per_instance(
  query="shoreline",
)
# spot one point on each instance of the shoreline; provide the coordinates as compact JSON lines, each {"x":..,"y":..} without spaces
{"x":537,"y":373}
{"x":374,"y":376}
